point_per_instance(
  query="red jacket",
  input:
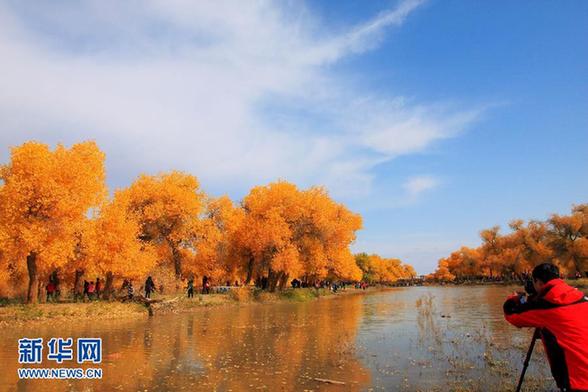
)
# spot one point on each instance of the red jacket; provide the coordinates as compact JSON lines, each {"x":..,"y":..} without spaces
{"x":561,"y":312}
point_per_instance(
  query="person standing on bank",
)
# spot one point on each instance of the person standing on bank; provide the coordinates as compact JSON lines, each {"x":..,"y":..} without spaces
{"x":560,"y":312}
{"x":149,"y":287}
{"x":190,"y":288}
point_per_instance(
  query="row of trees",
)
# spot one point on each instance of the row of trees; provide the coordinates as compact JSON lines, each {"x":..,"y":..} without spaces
{"x":562,"y":239}
{"x":56,"y":214}
{"x":377,"y":269}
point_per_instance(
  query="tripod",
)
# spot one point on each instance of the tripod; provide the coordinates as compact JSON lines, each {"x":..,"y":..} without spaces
{"x":536,"y":335}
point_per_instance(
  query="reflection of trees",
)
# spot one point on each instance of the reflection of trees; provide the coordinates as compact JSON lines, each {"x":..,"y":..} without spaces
{"x":283,"y":346}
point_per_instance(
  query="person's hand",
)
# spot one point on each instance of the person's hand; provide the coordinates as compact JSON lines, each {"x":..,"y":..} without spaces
{"x":511,"y":303}
{"x":515,"y":296}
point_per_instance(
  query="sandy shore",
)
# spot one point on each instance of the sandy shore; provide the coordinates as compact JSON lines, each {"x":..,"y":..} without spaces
{"x":18,"y":314}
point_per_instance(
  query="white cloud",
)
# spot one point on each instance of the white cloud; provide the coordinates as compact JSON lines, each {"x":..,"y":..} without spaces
{"x":237,"y":93}
{"x":415,"y":186}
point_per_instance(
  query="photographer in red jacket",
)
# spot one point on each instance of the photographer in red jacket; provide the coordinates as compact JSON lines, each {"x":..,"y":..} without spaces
{"x":561,"y":313}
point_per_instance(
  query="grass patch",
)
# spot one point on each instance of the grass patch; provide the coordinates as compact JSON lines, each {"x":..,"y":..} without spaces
{"x":12,"y":314}
{"x":241,"y":294}
{"x":9,"y":301}
{"x":579,"y":283}
{"x":303,"y":295}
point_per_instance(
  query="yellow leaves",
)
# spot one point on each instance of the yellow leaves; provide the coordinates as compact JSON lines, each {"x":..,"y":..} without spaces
{"x":562,"y":239}
{"x":381,"y":270}
{"x":46,"y":196}
{"x":287,"y":260}
{"x":167,"y":209}
{"x":297,"y":232}
{"x":343,"y":265}
{"x":113,"y":243}
{"x":315,"y":259}
{"x":169,"y":201}
{"x":443,"y":272}
{"x":54,"y":203}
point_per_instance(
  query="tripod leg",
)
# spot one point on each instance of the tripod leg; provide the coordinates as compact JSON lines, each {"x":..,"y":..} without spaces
{"x":536,"y":336}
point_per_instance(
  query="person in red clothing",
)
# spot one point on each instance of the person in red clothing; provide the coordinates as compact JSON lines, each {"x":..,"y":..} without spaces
{"x":50,"y":291}
{"x":91,"y":290}
{"x":561,"y":314}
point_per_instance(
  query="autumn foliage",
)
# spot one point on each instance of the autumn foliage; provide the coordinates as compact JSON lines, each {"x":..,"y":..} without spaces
{"x":286,"y":232}
{"x":376,"y":269}
{"x":561,"y":239}
{"x":44,"y":201}
{"x":56,"y":217}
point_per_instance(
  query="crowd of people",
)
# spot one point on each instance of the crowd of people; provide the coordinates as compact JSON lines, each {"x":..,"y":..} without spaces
{"x":94,"y":290}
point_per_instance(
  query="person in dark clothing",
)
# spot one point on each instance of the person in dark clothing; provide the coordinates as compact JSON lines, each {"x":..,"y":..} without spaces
{"x":560,"y":312}
{"x":205,"y":285}
{"x":149,"y":287}
{"x":190,"y":288}
{"x":86,"y":286}
{"x":264,"y":283}
{"x":54,"y":278}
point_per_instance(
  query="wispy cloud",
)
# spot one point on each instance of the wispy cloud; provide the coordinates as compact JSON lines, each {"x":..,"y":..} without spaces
{"x":415,"y":186}
{"x":366,"y":36}
{"x":237,"y":93}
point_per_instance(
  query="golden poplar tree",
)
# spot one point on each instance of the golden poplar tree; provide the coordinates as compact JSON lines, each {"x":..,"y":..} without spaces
{"x":45,"y":198}
{"x":287,"y":233}
{"x":167,"y":208}
{"x":213,"y":254}
{"x":569,"y":238}
{"x":113,"y":244}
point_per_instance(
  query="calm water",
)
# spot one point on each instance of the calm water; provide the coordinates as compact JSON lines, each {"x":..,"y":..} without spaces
{"x":417,"y":338}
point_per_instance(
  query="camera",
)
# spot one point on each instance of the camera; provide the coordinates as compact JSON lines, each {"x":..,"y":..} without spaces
{"x":529,"y":287}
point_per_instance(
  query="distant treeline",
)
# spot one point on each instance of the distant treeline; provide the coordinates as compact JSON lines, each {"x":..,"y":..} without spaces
{"x":380,"y":270}
{"x":561,"y":239}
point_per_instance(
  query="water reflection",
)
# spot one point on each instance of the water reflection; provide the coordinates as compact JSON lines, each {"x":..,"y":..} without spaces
{"x":237,"y":348}
{"x":429,"y":338}
{"x":446,"y":338}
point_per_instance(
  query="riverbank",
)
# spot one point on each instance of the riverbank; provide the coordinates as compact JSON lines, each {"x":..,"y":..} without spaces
{"x":17,"y":314}
{"x":581,"y":284}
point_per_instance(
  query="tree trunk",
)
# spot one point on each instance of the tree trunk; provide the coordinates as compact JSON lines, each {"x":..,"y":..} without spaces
{"x":41,"y":296}
{"x":108,"y":288}
{"x":249,"y":271}
{"x":272,"y":280}
{"x":33,"y":291}
{"x":78,"y":289}
{"x":177,"y":258}
{"x":576,"y":261}
{"x":283,"y":280}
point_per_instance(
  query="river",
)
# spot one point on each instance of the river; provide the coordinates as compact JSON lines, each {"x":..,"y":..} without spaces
{"x":406,"y":339}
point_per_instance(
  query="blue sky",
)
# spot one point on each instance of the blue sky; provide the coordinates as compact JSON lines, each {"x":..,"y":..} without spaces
{"x":433,"y":119}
